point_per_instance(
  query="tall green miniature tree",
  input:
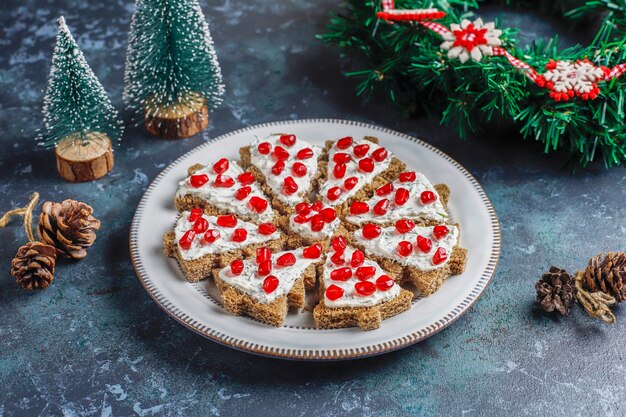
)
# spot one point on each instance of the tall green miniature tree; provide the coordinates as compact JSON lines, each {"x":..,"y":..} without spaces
{"x":75,"y":103}
{"x":171,"y":60}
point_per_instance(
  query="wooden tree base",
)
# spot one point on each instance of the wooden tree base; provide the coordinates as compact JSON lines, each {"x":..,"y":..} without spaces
{"x":178,"y":121}
{"x":80,"y":161}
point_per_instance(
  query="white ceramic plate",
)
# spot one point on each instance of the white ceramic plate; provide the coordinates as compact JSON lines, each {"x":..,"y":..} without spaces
{"x":198,"y":306}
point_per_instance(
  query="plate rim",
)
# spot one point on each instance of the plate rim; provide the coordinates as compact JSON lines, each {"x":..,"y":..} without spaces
{"x":318,"y":354}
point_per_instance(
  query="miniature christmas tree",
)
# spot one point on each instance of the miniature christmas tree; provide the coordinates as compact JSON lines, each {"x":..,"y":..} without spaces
{"x":79,"y":120}
{"x":172,"y":76}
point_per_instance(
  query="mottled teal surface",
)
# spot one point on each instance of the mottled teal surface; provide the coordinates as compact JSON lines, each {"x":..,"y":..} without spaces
{"x":95,"y":344}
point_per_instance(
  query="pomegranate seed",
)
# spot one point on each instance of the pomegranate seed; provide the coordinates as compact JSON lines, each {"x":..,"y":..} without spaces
{"x":344,"y":143}
{"x":329,"y":214}
{"x":289,"y":186}
{"x":227,"y":220}
{"x":317,"y":223}
{"x":298,"y":169}
{"x":339,"y":170}
{"x":278,"y":167}
{"x":240,"y":235}
{"x":264,"y":148}
{"x":236,"y":267}
{"x":221,"y":166}
{"x":280,"y":154}
{"x":365,"y":288}
{"x":211,"y":235}
{"x":339,"y":243}
{"x":201,"y":225}
{"x":245,"y":178}
{"x":381,"y":207}
{"x":365,"y":272}
{"x":371,"y":231}
{"x":385,"y":189}
{"x":440,"y":231}
{"x":267,"y":228}
{"x":349,"y":183}
{"x":366,"y":165}
{"x":338,"y":258}
{"x":301,"y":218}
{"x":357,"y":259}
{"x":359,"y":207}
{"x":408,"y":176}
{"x":242,"y":193}
{"x":287,"y":140}
{"x":258,"y":204}
{"x":317,"y":206}
{"x":224,"y":181}
{"x":361,"y":150}
{"x":428,"y":197}
{"x":333,"y":193}
{"x":440,"y":256}
{"x":341,"y":274}
{"x":264,"y":268}
{"x":263,"y":254}
{"x":379,"y":154}
{"x":187,"y":239}
{"x":341,"y":158}
{"x":197,"y":181}
{"x":384,"y":283}
{"x":195,"y":214}
{"x":303,"y":208}
{"x":334,"y":292}
{"x":288,"y":259}
{"x":312,"y":252}
{"x":424,"y":243}
{"x":402,"y":196}
{"x":405,"y":248}
{"x":305,"y":153}
{"x":270,"y":284}
{"x":404,"y":226}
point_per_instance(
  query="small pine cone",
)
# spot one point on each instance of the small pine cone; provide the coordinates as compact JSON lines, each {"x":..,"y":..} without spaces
{"x":607,"y":273}
{"x":69,"y":227}
{"x":33,"y":265}
{"x":556,"y":291}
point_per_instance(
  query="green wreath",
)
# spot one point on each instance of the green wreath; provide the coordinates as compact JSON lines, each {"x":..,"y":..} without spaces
{"x":436,"y":56}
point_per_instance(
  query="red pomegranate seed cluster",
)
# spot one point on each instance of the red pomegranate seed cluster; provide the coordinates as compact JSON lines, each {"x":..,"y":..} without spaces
{"x":315,"y":214}
{"x":358,"y":154}
{"x":353,"y":267}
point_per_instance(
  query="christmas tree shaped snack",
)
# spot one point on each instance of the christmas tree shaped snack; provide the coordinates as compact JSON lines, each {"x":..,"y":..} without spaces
{"x":172,"y":77}
{"x":425,"y":256}
{"x":354,"y":169}
{"x":356,"y":291}
{"x":410,"y":196}
{"x":79,"y":120}
{"x":265,"y":286}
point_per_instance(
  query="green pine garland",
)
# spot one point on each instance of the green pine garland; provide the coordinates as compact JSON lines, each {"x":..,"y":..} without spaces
{"x":406,"y":64}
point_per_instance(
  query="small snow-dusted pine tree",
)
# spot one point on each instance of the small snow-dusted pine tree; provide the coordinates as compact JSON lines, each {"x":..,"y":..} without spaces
{"x":171,"y":60}
{"x":75,"y":102}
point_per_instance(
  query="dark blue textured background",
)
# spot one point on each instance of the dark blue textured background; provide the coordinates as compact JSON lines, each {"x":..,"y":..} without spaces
{"x":94,"y":344}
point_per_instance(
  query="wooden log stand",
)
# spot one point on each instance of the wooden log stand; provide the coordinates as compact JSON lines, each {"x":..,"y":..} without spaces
{"x":177,"y":121}
{"x":84,"y":160}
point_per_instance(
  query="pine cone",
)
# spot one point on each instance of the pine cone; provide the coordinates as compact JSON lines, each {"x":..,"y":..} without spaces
{"x":607,"y":273}
{"x":33,"y":265}
{"x":556,"y":291}
{"x":69,"y":227}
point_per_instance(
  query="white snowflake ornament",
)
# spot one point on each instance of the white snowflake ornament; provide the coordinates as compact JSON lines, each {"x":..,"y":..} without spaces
{"x":471,"y":40}
{"x":567,"y":79}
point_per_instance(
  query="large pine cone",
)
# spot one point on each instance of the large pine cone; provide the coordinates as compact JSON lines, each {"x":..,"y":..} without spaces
{"x":69,"y":227}
{"x":33,"y":265}
{"x":607,"y":273}
{"x":556,"y":291}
